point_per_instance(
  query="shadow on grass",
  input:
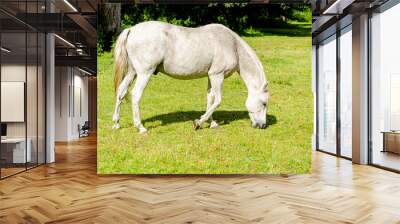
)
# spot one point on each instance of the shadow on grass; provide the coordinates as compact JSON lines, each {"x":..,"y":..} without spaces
{"x":222,"y":117}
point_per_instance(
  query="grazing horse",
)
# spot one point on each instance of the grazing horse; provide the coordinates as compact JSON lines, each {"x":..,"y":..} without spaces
{"x":212,"y":51}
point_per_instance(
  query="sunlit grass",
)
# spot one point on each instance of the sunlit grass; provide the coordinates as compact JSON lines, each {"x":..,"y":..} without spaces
{"x":169,"y":106}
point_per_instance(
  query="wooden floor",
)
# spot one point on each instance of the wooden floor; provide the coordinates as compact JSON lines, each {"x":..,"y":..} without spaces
{"x":69,"y":191}
{"x":10,"y":171}
{"x":387,"y":159}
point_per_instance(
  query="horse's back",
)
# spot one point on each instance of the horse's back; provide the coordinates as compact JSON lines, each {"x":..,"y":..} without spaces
{"x":146,"y":45}
{"x":183,"y":52}
{"x":225,"y":57}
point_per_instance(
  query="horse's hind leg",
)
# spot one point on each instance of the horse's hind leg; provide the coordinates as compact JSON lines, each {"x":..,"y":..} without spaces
{"x":140,"y":85}
{"x":216,"y":89}
{"x":121,"y":92}
{"x":210,"y":101}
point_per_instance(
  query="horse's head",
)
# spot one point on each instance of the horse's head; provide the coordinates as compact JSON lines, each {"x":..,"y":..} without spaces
{"x":257,"y":105}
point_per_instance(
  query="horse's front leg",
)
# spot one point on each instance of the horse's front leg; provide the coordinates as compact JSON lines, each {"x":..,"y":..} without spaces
{"x":216,"y":89}
{"x":121,"y":92}
{"x":140,"y":85}
{"x":210,"y":101}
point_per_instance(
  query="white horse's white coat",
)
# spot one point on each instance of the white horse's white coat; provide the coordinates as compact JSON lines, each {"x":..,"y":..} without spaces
{"x":188,"y":53}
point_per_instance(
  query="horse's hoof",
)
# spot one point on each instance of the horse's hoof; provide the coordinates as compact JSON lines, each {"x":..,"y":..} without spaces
{"x":142,"y":130}
{"x":196,"y":124}
{"x":115,"y":126}
{"x":214,"y":124}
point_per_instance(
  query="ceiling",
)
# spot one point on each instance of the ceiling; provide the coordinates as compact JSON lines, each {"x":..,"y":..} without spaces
{"x":73,"y":21}
{"x":329,"y":12}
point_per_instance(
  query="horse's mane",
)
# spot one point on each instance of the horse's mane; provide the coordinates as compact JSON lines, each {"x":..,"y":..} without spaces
{"x":250,"y":52}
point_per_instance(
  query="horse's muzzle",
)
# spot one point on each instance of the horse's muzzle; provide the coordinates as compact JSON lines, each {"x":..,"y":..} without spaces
{"x":258,"y":125}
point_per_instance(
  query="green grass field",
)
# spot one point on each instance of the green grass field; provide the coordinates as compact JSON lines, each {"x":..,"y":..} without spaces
{"x":169,"y":106}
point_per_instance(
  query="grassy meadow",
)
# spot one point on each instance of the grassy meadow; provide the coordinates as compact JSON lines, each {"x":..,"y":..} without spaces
{"x":169,"y":106}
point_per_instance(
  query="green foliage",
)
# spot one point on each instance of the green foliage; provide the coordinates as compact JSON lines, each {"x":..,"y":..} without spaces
{"x":100,"y":42}
{"x":237,"y":16}
{"x":169,"y":106}
{"x":301,"y":15}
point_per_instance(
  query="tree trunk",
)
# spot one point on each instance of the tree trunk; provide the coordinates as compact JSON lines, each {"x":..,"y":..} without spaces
{"x":111,"y":17}
{"x":109,"y":24}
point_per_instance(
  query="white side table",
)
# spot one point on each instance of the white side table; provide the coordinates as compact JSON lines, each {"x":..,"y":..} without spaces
{"x":19,"y":155}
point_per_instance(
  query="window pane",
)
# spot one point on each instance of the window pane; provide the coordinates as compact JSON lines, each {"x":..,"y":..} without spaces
{"x":31,"y":97}
{"x":386,"y":89}
{"x":22,"y":87}
{"x":346,"y":92}
{"x":327,"y":95}
{"x":14,"y":153}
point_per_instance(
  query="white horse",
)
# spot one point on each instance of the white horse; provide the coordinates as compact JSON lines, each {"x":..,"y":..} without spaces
{"x":187,"y":53}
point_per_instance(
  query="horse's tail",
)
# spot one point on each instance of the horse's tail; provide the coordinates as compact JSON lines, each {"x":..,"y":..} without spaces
{"x":121,"y":58}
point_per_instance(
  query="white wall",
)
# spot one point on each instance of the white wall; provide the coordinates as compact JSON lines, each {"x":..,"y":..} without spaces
{"x":16,"y":73}
{"x":34,"y":126}
{"x":62,"y":81}
{"x":81,"y":84}
{"x":69,"y":82}
{"x":10,"y":72}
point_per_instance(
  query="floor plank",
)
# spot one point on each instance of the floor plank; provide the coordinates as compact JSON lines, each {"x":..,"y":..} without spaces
{"x":70,"y":191}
